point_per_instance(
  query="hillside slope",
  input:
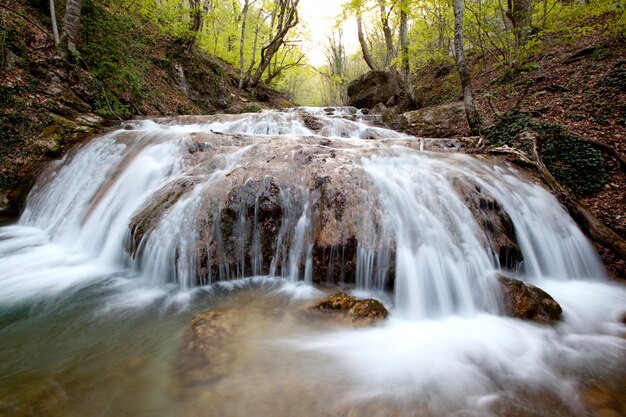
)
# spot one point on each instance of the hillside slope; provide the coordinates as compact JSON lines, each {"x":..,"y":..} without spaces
{"x":124,"y":68}
{"x":573,"y":94}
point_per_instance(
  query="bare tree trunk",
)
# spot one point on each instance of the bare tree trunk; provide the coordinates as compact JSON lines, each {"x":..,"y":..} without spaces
{"x":366,"y":54}
{"x":384,"y":19}
{"x":287,"y":18}
{"x":473,"y":118}
{"x":404,"y":50}
{"x":197,"y":21}
{"x":53,"y":17}
{"x":244,"y":16}
{"x":254,"y":45}
{"x":520,"y":14}
{"x":71,"y":23}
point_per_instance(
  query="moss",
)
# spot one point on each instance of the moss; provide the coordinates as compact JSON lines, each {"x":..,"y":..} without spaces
{"x":572,"y":161}
{"x":575,"y":163}
{"x":507,"y":128}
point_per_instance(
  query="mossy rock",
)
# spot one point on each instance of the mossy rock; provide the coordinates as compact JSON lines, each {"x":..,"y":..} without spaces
{"x":348,"y":309}
{"x":528,"y":302}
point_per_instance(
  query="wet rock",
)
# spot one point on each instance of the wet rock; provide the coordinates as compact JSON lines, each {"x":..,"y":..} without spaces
{"x":495,"y":223}
{"x":347,"y":308}
{"x":372,"y":88}
{"x":312,"y":122}
{"x":525,"y":301}
{"x":245,"y":220}
{"x":436,"y":122}
{"x":335,"y":264}
{"x":379,"y":108}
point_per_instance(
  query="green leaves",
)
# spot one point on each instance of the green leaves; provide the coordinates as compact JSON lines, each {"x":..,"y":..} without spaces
{"x":114,"y":50}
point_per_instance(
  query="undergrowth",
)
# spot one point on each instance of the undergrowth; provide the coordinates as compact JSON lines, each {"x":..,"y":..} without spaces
{"x":573,"y":162}
{"x":114,"y":49}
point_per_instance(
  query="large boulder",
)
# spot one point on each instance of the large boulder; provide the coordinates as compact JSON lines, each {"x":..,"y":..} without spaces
{"x":442,"y":121}
{"x":241,"y":221}
{"x":374,"y":87}
{"x":525,"y":301}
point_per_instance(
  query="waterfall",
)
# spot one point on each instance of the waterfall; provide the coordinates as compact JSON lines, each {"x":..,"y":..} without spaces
{"x":441,"y":264}
{"x":252,"y":216}
{"x":159,"y":198}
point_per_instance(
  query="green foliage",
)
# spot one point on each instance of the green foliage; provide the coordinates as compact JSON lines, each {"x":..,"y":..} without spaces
{"x":12,"y":39}
{"x":572,"y":161}
{"x":114,"y":50}
{"x":616,"y":79}
{"x":13,"y":120}
{"x":507,"y":128}
{"x":16,"y":123}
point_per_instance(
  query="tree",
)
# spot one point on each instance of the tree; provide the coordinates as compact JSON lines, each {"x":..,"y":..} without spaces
{"x":244,"y":17}
{"x":287,"y":57}
{"x":363,"y":42}
{"x":285,"y":17}
{"x":473,"y":118}
{"x":71,"y":24}
{"x":377,"y":46}
{"x":335,"y":75}
{"x":404,"y":51}
{"x":53,"y":18}
{"x":197,"y":20}
{"x":384,"y":22}
{"x":520,"y":13}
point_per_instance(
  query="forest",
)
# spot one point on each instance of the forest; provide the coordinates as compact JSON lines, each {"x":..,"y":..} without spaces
{"x":350,"y":208}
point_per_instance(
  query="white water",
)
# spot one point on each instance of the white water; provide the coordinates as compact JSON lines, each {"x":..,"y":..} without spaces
{"x":443,"y":346}
{"x":442,"y":266}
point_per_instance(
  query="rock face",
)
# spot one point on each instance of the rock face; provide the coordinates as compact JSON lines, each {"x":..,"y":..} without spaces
{"x":527,"y":302}
{"x":244,"y":220}
{"x":372,"y":88}
{"x":442,"y":121}
{"x":493,"y":220}
{"x":344,"y":307}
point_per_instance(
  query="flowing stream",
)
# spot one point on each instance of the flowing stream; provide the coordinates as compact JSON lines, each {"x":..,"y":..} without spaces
{"x":133,"y":233}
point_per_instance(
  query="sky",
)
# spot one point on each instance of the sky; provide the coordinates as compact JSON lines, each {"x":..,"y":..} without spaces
{"x":320,"y":17}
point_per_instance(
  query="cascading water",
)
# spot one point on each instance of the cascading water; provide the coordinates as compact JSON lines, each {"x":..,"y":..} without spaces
{"x":442,"y":266}
{"x":142,"y":215}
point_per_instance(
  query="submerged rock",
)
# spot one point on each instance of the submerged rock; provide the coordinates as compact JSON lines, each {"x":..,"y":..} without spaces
{"x":347,"y":308}
{"x":525,"y":301}
{"x":202,"y":357}
{"x":312,"y":122}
